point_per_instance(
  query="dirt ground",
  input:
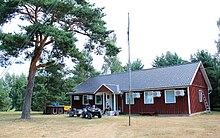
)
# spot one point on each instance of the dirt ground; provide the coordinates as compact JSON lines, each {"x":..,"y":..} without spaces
{"x":63,"y":126}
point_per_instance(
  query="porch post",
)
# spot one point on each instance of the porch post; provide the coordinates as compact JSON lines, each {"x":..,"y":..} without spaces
{"x":189,"y":106}
{"x":114,"y":103}
{"x":103,"y":102}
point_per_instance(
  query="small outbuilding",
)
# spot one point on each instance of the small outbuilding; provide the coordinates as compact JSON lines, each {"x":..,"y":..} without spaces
{"x":54,"y":110}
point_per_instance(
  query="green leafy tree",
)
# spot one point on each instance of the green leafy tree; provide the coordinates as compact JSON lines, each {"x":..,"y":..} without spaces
{"x":135,"y":65}
{"x":50,"y":35}
{"x":204,"y":56}
{"x":84,"y":69}
{"x":8,"y":8}
{"x":112,"y":64}
{"x":167,"y":60}
{"x":212,"y":67}
{"x":51,"y":85}
{"x":16,"y":85}
{"x":5,"y":100}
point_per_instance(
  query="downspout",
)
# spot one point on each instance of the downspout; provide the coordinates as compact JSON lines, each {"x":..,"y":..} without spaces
{"x":189,"y":104}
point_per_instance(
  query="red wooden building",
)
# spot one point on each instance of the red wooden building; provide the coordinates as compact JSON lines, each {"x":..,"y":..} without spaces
{"x":181,"y":89}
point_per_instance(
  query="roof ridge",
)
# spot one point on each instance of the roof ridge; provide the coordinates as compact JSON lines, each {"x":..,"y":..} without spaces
{"x":153,"y":68}
{"x":173,"y":65}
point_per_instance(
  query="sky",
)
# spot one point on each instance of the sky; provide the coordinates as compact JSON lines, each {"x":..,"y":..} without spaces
{"x":157,"y":26}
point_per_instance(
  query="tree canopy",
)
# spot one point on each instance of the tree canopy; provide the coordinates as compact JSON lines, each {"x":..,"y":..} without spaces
{"x":84,"y":69}
{"x":167,"y":60}
{"x":212,"y":67}
{"x":135,"y":65}
{"x":112,"y":64}
{"x":5,"y":100}
{"x":50,"y":33}
{"x":16,"y":85}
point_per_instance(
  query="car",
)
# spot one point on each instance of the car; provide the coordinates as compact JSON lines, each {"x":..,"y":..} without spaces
{"x":91,"y":111}
{"x":75,"y":112}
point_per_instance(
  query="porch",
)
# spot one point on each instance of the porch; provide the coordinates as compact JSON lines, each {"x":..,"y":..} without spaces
{"x":109,"y":95}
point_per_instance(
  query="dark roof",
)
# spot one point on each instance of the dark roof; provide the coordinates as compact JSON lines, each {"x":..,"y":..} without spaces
{"x":148,"y":79}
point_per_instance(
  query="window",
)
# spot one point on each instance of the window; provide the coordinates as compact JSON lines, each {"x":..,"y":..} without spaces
{"x":170,"y":96}
{"x":148,"y":98}
{"x":131,"y":98}
{"x":85,"y":100}
{"x":200,"y":95}
{"x":76,"y":97}
{"x":98,"y":99}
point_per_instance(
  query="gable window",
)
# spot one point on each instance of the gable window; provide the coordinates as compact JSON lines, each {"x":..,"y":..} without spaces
{"x":85,"y":99}
{"x":170,"y":96}
{"x":148,"y":98}
{"x":131,"y":98}
{"x":98,"y":99}
{"x":200,"y":95}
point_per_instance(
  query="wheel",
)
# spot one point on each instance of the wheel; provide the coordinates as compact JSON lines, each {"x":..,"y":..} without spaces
{"x":70,"y":115}
{"x":83,"y":115}
{"x":100,"y":115}
{"x":89,"y":115}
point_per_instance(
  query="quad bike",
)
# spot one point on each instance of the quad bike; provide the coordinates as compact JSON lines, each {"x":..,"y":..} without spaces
{"x":91,"y":111}
{"x":75,"y":112}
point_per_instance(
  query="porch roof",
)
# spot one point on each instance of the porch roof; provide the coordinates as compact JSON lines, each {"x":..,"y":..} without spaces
{"x":113,"y":88}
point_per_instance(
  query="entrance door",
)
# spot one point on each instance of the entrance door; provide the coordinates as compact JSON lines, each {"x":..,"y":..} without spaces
{"x":109,"y":100}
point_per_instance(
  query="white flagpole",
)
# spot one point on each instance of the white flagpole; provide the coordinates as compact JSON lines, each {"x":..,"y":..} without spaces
{"x":129,"y":70}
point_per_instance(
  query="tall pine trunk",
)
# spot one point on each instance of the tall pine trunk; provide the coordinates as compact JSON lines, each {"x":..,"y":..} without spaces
{"x":28,"y":96}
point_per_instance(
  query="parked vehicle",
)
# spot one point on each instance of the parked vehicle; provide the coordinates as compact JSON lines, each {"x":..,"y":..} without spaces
{"x":75,"y":112}
{"x":91,"y":111}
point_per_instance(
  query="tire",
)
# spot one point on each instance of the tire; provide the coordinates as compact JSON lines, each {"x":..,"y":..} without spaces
{"x":89,"y":115}
{"x":70,"y":115}
{"x":83,"y":115}
{"x":100,"y":115}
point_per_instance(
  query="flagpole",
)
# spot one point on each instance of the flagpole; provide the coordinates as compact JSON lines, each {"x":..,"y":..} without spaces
{"x":129,"y":70}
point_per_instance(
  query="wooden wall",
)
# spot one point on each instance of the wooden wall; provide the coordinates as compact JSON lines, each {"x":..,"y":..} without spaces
{"x":78,"y":103}
{"x":159,"y":106}
{"x":198,"y":84}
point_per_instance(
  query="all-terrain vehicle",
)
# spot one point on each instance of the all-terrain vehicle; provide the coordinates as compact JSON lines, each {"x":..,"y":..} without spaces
{"x":91,"y":111}
{"x":75,"y":112}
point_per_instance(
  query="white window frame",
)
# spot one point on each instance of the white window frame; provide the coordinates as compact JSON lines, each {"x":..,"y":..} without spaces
{"x":76,"y":98}
{"x":83,"y":102}
{"x":200,"y":96}
{"x":145,"y":102}
{"x":126,"y":98}
{"x":165,"y":95}
{"x":96,"y":100}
